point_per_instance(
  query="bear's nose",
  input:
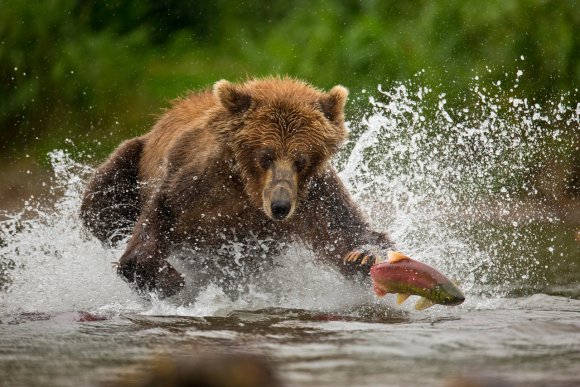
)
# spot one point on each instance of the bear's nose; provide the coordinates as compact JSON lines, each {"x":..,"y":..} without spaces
{"x":280,"y":209}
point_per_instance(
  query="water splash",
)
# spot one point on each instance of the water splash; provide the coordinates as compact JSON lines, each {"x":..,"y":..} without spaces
{"x":437,"y":176}
{"x":433,"y":175}
{"x":56,"y":266}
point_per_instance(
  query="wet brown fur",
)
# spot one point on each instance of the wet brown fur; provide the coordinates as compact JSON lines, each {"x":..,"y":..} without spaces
{"x":199,"y":178}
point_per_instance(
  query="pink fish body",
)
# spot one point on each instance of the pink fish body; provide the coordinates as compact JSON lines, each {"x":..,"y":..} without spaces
{"x":405,"y":276}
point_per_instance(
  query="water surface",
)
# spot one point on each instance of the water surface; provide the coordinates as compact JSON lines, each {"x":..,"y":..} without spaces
{"x":452,"y":187}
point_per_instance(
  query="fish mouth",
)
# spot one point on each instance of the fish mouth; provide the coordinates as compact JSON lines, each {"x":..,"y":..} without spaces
{"x":453,"y":301}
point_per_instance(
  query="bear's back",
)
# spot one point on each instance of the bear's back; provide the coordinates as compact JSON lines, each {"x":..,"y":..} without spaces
{"x":186,"y":118}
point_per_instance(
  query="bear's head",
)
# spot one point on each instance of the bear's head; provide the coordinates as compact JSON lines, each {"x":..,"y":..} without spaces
{"x":281,"y":133}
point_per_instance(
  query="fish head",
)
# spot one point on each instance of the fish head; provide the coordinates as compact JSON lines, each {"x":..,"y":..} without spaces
{"x":447,"y":293}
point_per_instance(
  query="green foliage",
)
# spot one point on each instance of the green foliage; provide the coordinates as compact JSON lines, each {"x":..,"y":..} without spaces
{"x":96,"y":72}
{"x":59,"y":79}
{"x":366,"y":43}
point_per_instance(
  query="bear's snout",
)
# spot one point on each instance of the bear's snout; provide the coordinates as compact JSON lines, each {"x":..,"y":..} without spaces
{"x":281,"y":201}
{"x":280,"y":209}
{"x":280,"y":192}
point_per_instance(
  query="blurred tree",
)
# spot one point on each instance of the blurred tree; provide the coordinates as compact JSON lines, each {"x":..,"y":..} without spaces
{"x":58,"y":79}
{"x":96,"y":70}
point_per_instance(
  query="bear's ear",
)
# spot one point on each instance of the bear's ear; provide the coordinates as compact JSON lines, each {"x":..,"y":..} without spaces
{"x":332,"y":103}
{"x":232,"y":97}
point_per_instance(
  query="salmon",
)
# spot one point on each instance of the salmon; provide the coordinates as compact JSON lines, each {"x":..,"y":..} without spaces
{"x":405,"y":276}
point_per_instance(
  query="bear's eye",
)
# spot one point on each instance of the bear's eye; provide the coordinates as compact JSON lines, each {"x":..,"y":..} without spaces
{"x":300,"y":163}
{"x":265,"y":159}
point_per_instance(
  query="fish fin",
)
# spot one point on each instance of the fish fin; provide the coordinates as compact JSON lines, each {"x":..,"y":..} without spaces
{"x":379,"y":291}
{"x":402,"y":297}
{"x":395,"y":256}
{"x":423,"y":303}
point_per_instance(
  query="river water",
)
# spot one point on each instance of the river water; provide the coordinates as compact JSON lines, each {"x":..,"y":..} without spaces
{"x":451,"y":185}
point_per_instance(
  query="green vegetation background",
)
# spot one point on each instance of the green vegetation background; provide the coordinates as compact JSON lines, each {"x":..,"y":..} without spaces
{"x":96,"y":72}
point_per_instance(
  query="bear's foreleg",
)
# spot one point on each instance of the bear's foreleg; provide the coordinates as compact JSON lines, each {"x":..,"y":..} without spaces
{"x":337,"y":230}
{"x":144,"y":262}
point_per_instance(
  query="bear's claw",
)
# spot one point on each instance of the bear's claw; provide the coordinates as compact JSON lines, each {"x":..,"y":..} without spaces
{"x":361,"y":257}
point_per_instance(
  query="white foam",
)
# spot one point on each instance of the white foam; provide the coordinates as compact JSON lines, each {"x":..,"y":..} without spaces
{"x":57,"y":268}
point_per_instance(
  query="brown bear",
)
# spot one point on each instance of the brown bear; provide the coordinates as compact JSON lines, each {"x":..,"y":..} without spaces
{"x":245,"y":162}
